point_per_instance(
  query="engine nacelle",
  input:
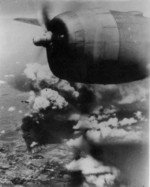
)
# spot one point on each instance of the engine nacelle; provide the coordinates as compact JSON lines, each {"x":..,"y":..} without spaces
{"x":99,"y":46}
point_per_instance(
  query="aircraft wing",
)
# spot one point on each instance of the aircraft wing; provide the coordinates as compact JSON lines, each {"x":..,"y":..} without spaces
{"x":32,"y":21}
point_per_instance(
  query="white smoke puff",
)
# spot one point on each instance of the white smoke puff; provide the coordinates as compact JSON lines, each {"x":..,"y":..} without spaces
{"x":86,"y":123}
{"x":133,"y":92}
{"x":11,"y":109}
{"x":108,"y":131}
{"x":99,"y":136}
{"x":100,"y":90}
{"x":103,"y":116}
{"x":92,"y":119}
{"x":91,"y":167}
{"x":48,"y":98}
{"x":41,"y":74}
{"x":33,"y":144}
{"x":140,"y":116}
{"x":74,"y":117}
{"x":94,"y":136}
{"x":98,"y":110}
{"x":65,"y":86}
{"x":114,"y":135}
{"x":40,"y":103}
{"x":91,"y":122}
{"x":54,"y":98}
{"x":134,"y":137}
{"x":31,"y":97}
{"x":127,"y":121}
{"x":128,"y":99}
{"x":87,"y":165}
{"x":20,"y":112}
{"x":102,"y":180}
{"x":108,"y":135}
{"x":111,"y":122}
{"x":38,"y":72}
{"x":76,"y":143}
{"x":28,"y":115}
{"x":104,"y":113}
{"x":110,"y":110}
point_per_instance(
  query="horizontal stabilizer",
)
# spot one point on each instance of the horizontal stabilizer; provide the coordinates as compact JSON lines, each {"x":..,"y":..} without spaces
{"x":32,"y":21}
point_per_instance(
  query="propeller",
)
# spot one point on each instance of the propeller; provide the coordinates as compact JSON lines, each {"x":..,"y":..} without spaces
{"x":48,"y":10}
{"x":44,"y":16}
{"x":44,"y":20}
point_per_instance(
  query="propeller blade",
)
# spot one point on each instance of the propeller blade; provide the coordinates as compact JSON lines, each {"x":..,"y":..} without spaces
{"x":49,"y":9}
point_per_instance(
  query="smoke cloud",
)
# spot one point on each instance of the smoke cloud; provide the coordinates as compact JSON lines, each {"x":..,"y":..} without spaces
{"x":129,"y":93}
{"x":105,"y":125}
{"x":54,"y":106}
{"x":111,"y":136}
{"x":48,"y":98}
{"x":95,"y":172}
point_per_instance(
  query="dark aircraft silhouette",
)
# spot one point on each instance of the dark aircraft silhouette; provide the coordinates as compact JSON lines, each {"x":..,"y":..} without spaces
{"x":96,"y":45}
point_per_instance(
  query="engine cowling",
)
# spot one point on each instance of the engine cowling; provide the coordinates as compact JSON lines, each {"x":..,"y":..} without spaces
{"x":99,"y":46}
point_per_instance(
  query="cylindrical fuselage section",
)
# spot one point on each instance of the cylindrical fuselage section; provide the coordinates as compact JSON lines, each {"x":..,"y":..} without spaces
{"x":99,"y":46}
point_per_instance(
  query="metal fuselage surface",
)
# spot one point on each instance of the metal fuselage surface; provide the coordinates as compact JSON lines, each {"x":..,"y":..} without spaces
{"x":99,"y":46}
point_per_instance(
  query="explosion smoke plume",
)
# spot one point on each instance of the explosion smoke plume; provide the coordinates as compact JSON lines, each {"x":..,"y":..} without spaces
{"x":53,"y":104}
{"x":105,"y":121}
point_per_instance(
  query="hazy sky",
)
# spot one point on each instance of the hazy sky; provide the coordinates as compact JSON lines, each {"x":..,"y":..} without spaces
{"x":10,"y":7}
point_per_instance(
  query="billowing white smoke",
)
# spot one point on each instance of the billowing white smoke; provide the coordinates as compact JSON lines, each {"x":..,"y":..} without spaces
{"x":41,"y":76}
{"x":38,"y":73}
{"x":46,"y":87}
{"x":94,"y":171}
{"x":122,"y":94}
{"x":107,"y":122}
{"x":133,"y":92}
{"x":92,"y":122}
{"x":127,"y":121}
{"x":49,"y":106}
{"x":108,"y":130}
{"x":47,"y":98}
{"x":107,"y":135}
{"x":64,"y":85}
{"x":139,"y":116}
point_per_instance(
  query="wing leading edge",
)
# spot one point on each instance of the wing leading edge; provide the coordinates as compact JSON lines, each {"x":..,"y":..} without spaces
{"x":32,"y":21}
{"x":35,"y":21}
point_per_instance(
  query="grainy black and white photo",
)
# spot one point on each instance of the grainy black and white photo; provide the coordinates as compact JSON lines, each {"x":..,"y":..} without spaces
{"x":74,"y":93}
